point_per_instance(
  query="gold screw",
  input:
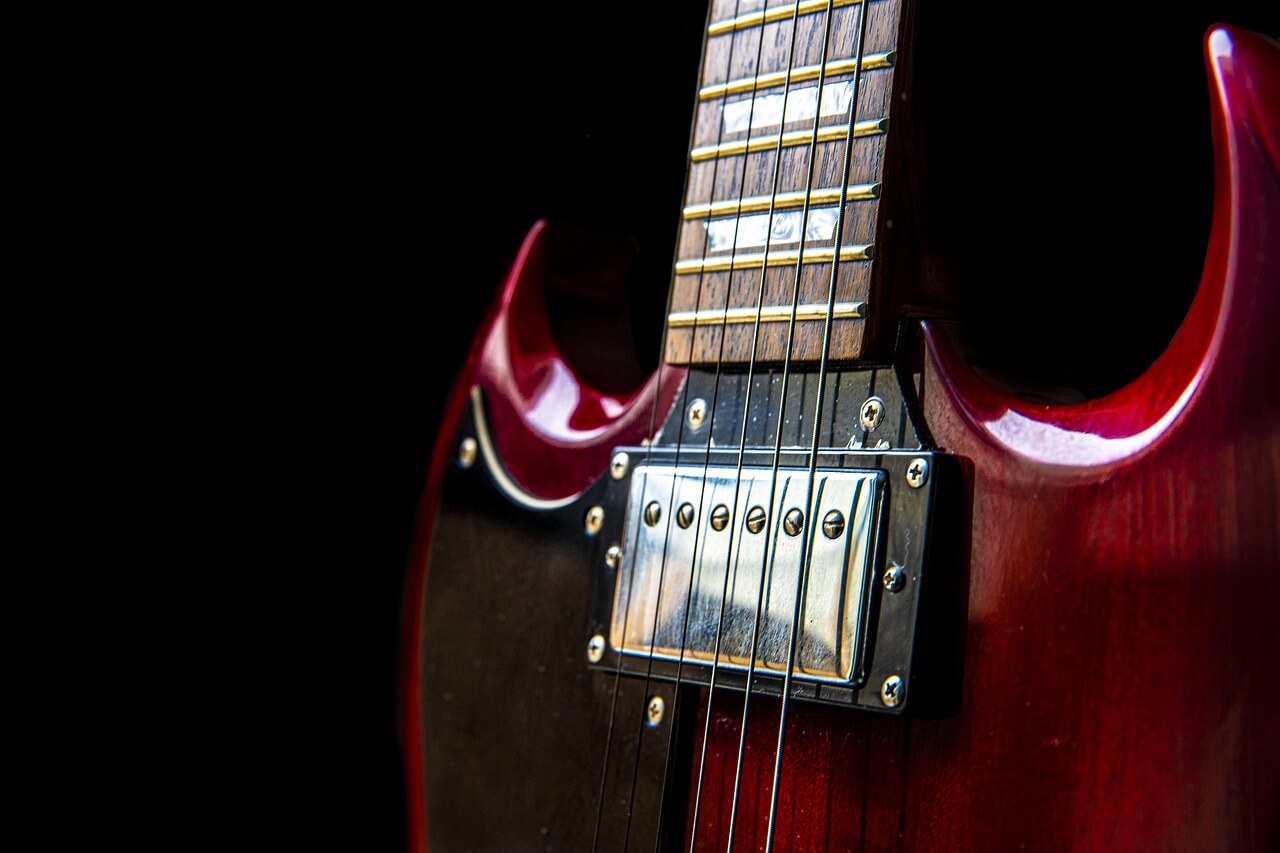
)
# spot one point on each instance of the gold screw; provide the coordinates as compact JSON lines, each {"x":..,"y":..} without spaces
{"x":872,"y":413}
{"x":654,"y":710}
{"x":467,"y":452}
{"x":917,"y":473}
{"x":697,"y":413}
{"x":618,"y":467}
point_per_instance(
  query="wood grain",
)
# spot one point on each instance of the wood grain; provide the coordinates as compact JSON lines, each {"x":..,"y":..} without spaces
{"x":1123,"y":585}
{"x":744,"y":54}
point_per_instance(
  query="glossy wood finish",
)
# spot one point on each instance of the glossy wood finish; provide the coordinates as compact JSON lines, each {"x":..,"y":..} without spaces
{"x":555,"y":417}
{"x":743,"y":55}
{"x":1119,"y":687}
{"x":517,"y":725}
{"x":552,"y":427}
{"x":1123,"y":571}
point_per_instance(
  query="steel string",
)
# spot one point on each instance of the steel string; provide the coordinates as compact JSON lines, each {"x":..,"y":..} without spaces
{"x":710,"y":427}
{"x":766,"y":563}
{"x":653,"y":427}
{"x":811,"y":522}
{"x":732,"y":527}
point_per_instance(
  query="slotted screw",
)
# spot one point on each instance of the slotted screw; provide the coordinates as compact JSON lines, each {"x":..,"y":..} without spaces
{"x":833,"y":524}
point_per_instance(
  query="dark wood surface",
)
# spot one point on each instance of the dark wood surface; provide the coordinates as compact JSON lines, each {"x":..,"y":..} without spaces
{"x":516,"y":724}
{"x":745,"y":54}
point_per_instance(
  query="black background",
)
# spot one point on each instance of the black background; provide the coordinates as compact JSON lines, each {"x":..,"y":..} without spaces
{"x":402,"y":161}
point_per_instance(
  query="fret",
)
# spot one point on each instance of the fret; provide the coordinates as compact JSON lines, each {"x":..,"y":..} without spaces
{"x":830,"y":133}
{"x":790,"y":257}
{"x":870,"y":62}
{"x":770,"y":140}
{"x":767,"y":314}
{"x":782,"y":201}
{"x":774,"y":14}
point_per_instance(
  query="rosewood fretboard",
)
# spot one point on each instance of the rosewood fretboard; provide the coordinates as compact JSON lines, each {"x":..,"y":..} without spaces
{"x":770,"y":135}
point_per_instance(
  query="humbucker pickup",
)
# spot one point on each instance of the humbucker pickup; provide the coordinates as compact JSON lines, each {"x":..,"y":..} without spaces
{"x":707,"y":563}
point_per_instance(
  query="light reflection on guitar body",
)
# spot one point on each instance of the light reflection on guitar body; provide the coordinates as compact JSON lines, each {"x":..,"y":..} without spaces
{"x":1121,"y":569}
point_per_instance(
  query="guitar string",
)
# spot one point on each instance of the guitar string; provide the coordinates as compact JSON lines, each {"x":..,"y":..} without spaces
{"x":771,"y":522}
{"x":651,"y":438}
{"x":714,"y":411}
{"x":669,"y":714}
{"x":732,"y":527}
{"x":811,"y":522}
{"x":653,"y":427}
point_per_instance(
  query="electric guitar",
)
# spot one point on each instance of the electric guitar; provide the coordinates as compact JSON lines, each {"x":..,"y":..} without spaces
{"x":816,"y":584}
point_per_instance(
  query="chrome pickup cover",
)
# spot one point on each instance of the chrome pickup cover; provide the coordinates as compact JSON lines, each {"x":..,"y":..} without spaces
{"x":670,"y":596}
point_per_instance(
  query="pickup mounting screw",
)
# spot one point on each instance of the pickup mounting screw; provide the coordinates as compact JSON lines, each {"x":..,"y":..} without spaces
{"x":833,"y":524}
{"x":793,"y":522}
{"x":872,"y":413}
{"x":654,"y":710}
{"x":697,"y":413}
{"x":684,"y":515}
{"x":720,"y":517}
{"x":756,"y":519}
{"x":895,"y":578}
{"x":917,"y":473}
{"x":891,"y":691}
{"x":613,"y":557}
{"x":618,"y":467}
{"x":595,"y":648}
{"x":467,"y":452}
{"x":652,"y":513}
{"x":594,"y":520}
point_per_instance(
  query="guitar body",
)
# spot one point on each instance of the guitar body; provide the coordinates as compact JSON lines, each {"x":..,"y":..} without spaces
{"x":1118,"y":566}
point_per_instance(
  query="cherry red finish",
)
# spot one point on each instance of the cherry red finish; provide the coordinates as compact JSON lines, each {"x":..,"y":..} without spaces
{"x":1120,"y":681}
{"x":1121,"y":685}
{"x":552,"y":429}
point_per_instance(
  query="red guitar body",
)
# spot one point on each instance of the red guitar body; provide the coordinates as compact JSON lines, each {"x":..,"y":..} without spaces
{"x":1120,"y":682}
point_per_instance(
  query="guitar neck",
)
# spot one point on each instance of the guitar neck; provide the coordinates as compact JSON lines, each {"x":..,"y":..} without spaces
{"x":791,"y":136}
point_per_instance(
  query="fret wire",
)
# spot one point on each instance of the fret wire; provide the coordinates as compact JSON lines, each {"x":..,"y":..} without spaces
{"x":870,"y":62}
{"x":755,"y":261}
{"x":777,"y":13}
{"x":783,"y":201}
{"x":716,"y":209}
{"x":831,"y":133}
{"x":769,"y":314}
